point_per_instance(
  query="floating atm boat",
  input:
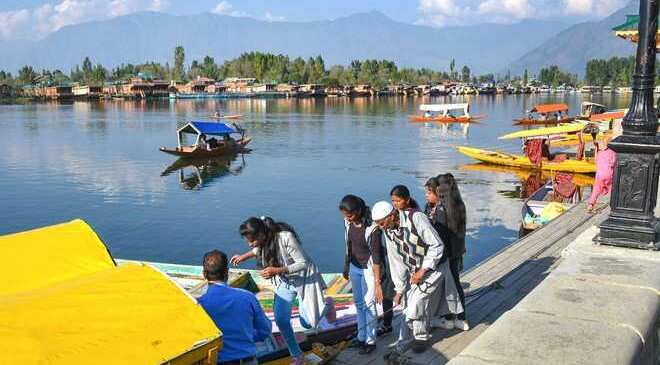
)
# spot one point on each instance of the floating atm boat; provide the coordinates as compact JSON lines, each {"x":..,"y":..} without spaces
{"x":209,"y":147}
{"x":545,"y":114}
{"x":445,"y":113}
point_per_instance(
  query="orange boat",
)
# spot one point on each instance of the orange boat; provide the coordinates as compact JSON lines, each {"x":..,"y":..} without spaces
{"x":445,"y":113}
{"x":546,"y":114}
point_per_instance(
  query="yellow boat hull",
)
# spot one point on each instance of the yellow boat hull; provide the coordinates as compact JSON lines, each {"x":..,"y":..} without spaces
{"x":572,"y":139}
{"x":506,"y":159}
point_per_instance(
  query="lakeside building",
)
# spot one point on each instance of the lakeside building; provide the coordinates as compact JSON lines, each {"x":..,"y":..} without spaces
{"x":239,"y":85}
{"x":87,"y":91}
{"x":312,"y":90}
{"x":58,"y":92}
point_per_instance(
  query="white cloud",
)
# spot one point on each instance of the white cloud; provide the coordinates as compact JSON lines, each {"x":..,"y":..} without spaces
{"x":451,"y":12}
{"x":273,"y":18}
{"x":465,"y":12}
{"x":225,"y":8}
{"x":38,"y":22}
{"x":599,"y":8}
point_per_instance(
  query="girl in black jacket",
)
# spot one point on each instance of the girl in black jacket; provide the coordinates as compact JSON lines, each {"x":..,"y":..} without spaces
{"x":446,"y":210}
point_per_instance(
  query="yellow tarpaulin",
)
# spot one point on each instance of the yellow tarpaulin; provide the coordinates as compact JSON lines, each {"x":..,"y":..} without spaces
{"x":45,"y":256}
{"x":94,"y":312}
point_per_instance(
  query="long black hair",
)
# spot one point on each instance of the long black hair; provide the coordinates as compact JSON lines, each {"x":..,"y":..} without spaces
{"x":402,"y":192}
{"x":447,"y":191}
{"x":355,"y":205}
{"x":267,"y":229}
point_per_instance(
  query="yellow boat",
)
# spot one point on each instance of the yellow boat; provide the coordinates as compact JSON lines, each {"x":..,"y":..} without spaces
{"x":523,"y":174}
{"x":550,"y":131}
{"x":586,"y":166}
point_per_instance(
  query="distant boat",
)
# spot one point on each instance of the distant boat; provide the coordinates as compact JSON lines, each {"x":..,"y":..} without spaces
{"x":545,"y":114}
{"x":227,"y":145}
{"x":445,"y":113}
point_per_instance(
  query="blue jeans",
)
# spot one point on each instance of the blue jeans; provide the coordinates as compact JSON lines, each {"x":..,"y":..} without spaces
{"x":285,"y":294}
{"x":362,"y":284}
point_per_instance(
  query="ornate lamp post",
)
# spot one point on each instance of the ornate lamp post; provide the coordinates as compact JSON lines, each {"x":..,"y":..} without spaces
{"x":632,"y":222}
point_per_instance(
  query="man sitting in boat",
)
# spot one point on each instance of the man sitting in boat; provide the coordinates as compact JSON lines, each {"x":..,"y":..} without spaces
{"x":213,"y":143}
{"x":235,"y":311}
{"x":201,"y":142}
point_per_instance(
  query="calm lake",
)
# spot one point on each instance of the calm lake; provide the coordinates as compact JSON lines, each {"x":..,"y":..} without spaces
{"x":99,"y":161}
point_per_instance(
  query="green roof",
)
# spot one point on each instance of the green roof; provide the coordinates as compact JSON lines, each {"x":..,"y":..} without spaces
{"x":631,"y":24}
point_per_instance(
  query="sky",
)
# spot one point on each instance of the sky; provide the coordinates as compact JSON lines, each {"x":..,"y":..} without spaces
{"x":34,"y":19}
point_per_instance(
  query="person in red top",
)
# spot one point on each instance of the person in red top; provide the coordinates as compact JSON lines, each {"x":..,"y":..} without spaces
{"x":605,"y":162}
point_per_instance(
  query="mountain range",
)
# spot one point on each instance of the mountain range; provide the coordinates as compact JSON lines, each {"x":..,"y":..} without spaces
{"x":571,"y":48}
{"x":150,"y":36}
{"x":496,"y":48}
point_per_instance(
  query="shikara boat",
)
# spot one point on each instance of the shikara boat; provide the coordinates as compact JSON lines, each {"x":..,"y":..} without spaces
{"x":588,"y":108}
{"x":523,"y":174}
{"x":547,"y":203}
{"x":586,"y":166}
{"x":445,"y":113}
{"x":545,"y":114}
{"x":200,"y":129}
{"x":331,"y":336}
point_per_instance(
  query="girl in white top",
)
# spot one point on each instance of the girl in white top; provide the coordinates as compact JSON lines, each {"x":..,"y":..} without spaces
{"x":278,"y":252}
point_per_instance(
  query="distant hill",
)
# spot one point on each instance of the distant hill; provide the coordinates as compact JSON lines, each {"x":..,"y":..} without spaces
{"x":573,"y":47}
{"x":151,"y":36}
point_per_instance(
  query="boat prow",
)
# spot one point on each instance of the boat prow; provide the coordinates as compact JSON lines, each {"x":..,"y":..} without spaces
{"x":521,"y":161}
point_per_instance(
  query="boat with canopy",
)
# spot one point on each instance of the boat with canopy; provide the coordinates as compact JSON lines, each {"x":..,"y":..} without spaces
{"x":537,"y":152}
{"x":545,"y":114}
{"x":155,"y":318}
{"x":74,"y":305}
{"x":445,"y":113}
{"x":203,"y":147}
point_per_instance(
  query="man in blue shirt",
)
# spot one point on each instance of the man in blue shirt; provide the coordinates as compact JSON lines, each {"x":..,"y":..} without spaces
{"x":235,"y":311}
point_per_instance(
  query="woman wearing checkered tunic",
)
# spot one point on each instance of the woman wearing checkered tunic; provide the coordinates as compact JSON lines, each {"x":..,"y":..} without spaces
{"x":422,"y":278}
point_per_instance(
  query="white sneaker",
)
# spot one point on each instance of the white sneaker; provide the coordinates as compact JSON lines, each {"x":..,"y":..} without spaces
{"x":442,"y":323}
{"x":461,"y":325}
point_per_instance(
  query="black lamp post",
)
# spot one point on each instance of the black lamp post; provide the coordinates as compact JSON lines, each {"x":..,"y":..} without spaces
{"x":632,"y":221}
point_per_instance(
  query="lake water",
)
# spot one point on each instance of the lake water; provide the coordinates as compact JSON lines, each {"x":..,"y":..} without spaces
{"x":100,"y":162}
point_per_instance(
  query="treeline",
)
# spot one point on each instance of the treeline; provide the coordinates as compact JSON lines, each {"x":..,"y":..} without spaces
{"x":615,"y":71}
{"x":553,"y":76}
{"x":264,"y":67}
{"x":267,"y":67}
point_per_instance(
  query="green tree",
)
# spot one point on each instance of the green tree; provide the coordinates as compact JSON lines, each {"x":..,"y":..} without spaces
{"x":99,"y":75}
{"x":465,"y":74}
{"x":26,"y":75}
{"x":87,"y":69}
{"x":452,"y":70}
{"x":525,"y":79}
{"x":179,"y":59}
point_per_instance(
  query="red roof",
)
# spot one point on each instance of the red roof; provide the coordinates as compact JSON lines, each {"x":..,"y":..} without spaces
{"x":607,"y":116}
{"x":550,"y":108}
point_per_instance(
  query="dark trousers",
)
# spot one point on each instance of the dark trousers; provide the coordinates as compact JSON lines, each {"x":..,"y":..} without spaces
{"x":388,"y":314}
{"x":456,"y":266}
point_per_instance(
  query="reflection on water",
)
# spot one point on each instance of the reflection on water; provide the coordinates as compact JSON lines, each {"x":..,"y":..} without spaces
{"x":100,"y":161}
{"x":195,"y":173}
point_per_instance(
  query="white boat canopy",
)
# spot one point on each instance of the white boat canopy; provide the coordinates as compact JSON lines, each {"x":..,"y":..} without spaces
{"x":444,"y":108}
